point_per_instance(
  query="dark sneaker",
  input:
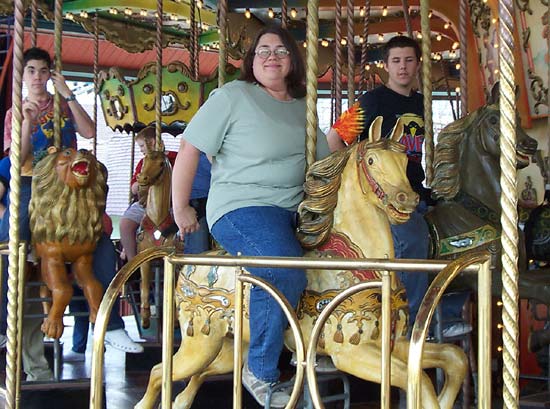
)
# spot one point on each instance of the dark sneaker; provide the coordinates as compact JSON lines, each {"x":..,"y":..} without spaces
{"x":258,"y":389}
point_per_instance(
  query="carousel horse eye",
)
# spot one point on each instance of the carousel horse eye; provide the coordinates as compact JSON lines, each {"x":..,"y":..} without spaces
{"x":370,"y":161}
{"x":493,"y":120}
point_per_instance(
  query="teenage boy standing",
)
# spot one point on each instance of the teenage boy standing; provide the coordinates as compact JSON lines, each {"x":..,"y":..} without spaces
{"x":396,"y":99}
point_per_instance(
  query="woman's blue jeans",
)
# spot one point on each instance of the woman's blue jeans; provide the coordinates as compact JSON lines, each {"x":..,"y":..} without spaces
{"x":265,"y":231}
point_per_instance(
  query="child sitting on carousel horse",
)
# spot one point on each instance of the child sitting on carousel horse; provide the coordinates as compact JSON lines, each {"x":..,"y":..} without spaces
{"x":131,"y":219}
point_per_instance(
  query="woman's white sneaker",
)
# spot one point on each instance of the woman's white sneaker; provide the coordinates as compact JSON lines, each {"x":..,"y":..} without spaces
{"x":258,"y":389}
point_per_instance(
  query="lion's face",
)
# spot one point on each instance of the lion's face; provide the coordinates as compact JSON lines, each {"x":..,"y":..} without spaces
{"x":77,"y":169}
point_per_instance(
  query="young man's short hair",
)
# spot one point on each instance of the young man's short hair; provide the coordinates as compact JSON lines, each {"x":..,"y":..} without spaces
{"x":39,"y":54}
{"x":401,"y":42}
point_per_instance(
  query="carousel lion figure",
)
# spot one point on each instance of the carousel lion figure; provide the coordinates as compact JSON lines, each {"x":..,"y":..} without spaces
{"x":69,"y":189}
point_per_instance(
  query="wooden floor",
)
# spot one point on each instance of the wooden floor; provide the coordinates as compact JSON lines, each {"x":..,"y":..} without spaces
{"x":126,"y":379}
{"x":124,"y":387}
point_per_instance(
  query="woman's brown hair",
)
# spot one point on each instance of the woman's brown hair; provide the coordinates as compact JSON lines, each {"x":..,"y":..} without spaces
{"x":295,"y":80}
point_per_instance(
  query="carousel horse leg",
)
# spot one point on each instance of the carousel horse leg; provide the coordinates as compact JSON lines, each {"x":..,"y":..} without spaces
{"x":450,"y":358}
{"x":195,"y":353}
{"x":364,"y":361}
{"x":221,"y":365}
{"x":144,"y":295}
{"x":55,"y":277}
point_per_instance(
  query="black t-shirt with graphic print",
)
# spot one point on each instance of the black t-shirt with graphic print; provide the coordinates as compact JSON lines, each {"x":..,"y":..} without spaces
{"x":384,"y":102}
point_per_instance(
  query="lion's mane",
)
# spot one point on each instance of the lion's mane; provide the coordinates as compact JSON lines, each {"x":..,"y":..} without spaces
{"x":59,"y":212}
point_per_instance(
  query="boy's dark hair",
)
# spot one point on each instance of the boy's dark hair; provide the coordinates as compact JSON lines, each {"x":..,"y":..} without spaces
{"x":295,"y":80}
{"x":401,"y":42}
{"x":36,"y":53}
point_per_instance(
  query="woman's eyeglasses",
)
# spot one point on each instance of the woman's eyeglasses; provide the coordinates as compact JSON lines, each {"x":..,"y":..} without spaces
{"x":265,"y":53}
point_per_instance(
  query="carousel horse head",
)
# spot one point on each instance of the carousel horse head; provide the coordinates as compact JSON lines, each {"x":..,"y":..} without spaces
{"x":157,"y":226}
{"x":333,"y":186}
{"x":350,"y":199}
{"x":467,"y":156}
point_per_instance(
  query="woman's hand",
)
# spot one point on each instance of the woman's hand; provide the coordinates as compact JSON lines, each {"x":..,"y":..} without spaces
{"x":60,"y":84}
{"x":186,"y":219}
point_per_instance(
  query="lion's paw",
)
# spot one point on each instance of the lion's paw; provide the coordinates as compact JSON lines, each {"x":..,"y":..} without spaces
{"x":52,"y":327}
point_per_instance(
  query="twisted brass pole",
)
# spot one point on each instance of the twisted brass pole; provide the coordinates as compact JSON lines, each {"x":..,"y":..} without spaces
{"x":284,"y":14}
{"x":194,"y":41}
{"x":364,"y":48}
{"x":158,"y":85}
{"x":338,"y":60}
{"x":508,"y":203}
{"x":96,"y":80}
{"x":351,"y":54}
{"x":407,"y":17}
{"x":34,"y":22}
{"x":311,"y":80}
{"x":427,"y":88}
{"x":222,"y":53}
{"x":462,"y":36}
{"x":58,"y":28}
{"x":14,"y":275}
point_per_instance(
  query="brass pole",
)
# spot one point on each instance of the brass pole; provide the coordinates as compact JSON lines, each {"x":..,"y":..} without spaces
{"x":58,"y":28}
{"x":311,"y":80}
{"x":385,"y":394}
{"x":338,"y":60}
{"x":365,"y":47}
{"x":109,"y":298}
{"x":427,"y":88}
{"x":318,"y":327}
{"x":167,"y":333}
{"x":284,"y":13}
{"x":351,"y":54}
{"x":222,"y":52}
{"x":238,"y":340}
{"x":96,"y":80}
{"x":34,"y":23}
{"x":14,"y":274}
{"x":463,"y":38}
{"x":508,"y":203}
{"x":20,"y":302}
{"x":424,"y":317}
{"x":158,"y":84}
{"x":484,"y":338}
{"x":294,"y":326}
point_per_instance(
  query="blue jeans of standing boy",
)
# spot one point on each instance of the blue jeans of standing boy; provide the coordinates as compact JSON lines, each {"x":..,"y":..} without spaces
{"x":104,"y":265}
{"x":265,"y":231}
{"x":411,"y":240}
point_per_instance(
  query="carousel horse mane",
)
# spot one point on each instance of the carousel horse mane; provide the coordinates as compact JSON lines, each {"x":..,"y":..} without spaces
{"x":321,"y":197}
{"x":316,"y":212}
{"x":448,"y":153}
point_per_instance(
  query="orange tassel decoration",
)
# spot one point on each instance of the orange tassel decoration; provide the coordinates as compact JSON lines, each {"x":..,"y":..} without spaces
{"x":350,"y":124}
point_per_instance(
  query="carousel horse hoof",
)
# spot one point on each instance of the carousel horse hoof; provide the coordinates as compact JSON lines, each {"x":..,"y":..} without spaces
{"x":145,"y":318}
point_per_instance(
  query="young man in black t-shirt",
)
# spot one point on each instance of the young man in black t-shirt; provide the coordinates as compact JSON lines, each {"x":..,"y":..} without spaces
{"x":397,"y":99}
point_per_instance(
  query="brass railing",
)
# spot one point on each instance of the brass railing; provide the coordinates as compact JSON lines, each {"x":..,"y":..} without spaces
{"x":478,"y":262}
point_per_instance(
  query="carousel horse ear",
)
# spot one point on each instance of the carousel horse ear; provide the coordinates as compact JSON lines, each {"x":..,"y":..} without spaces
{"x":397,"y":131}
{"x":52,"y":149}
{"x":375,"y":130}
